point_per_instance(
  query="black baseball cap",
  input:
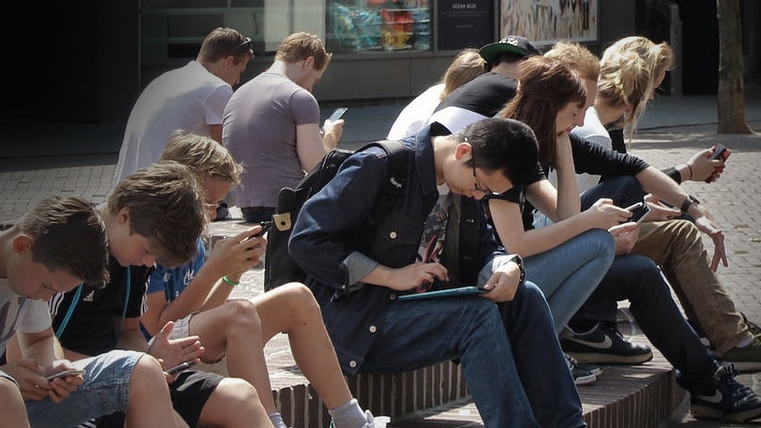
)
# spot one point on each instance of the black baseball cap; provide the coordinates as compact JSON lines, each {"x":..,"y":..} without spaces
{"x":517,"y":45}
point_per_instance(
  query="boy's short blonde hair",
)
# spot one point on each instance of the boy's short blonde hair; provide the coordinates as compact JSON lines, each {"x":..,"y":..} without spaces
{"x":205,"y":157}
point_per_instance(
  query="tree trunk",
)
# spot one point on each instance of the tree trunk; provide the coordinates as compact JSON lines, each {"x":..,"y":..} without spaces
{"x":730,"y":97}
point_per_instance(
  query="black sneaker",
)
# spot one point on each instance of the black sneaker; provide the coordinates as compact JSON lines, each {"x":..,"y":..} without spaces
{"x":722,"y":397}
{"x":603,"y":345}
{"x":583,"y":374}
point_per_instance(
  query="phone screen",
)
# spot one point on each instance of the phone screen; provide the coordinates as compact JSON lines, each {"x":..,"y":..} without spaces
{"x":338,"y":113}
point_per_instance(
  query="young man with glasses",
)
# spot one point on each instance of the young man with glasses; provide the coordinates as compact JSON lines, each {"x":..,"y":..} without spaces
{"x":191,"y":98}
{"x":362,"y":251}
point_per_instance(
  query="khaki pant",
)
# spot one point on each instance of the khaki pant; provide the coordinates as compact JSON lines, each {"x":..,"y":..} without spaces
{"x":677,"y":247}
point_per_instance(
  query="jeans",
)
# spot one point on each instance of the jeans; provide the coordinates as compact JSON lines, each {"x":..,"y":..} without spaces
{"x":638,"y":279}
{"x":521,"y":382}
{"x":624,"y":190}
{"x":105,"y":391}
{"x":570,"y":272}
{"x":677,"y":247}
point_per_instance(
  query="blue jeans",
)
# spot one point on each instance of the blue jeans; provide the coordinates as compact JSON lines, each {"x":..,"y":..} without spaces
{"x":105,"y":391}
{"x":570,"y":272}
{"x":521,"y":382}
{"x":639,"y":280}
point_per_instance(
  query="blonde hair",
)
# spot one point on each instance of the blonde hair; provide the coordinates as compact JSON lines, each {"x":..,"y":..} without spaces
{"x":577,"y":57}
{"x":629,"y":69}
{"x":205,"y":157}
{"x":300,"y":46}
{"x":466,"y":66}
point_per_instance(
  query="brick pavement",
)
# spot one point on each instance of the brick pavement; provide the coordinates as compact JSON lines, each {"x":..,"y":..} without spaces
{"x":735,"y":202}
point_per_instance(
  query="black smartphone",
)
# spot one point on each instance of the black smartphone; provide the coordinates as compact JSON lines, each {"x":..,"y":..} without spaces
{"x":338,"y":113}
{"x":180,"y":367}
{"x":266,"y":226}
{"x":721,"y":152}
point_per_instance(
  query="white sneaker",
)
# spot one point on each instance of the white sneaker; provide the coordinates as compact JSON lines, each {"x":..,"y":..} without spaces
{"x":376,"y":422}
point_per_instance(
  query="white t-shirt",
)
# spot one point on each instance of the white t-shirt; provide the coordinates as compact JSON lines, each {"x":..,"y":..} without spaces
{"x":414,"y":116}
{"x":188,"y":98}
{"x":19,"y":313}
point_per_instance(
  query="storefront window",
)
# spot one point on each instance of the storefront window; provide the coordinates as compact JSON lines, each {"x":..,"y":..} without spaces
{"x":176,"y":28}
{"x":378,"y":26}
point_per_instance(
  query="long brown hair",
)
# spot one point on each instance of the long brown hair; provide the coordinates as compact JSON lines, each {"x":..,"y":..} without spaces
{"x":545,"y":87}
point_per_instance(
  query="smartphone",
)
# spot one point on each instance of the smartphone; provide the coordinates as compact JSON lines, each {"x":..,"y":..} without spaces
{"x":65,"y":373}
{"x":449,"y":292}
{"x":338,"y":114}
{"x":266,"y":226}
{"x":633,"y":207}
{"x":721,"y":152}
{"x":180,"y":367}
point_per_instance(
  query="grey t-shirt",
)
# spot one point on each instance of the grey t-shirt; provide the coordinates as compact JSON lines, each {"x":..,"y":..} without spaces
{"x":259,"y":129}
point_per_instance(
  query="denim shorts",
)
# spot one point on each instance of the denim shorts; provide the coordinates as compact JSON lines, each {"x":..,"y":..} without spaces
{"x":105,"y":391}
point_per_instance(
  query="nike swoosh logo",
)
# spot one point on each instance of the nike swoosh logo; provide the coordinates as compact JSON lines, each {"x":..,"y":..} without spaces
{"x":715,"y":398}
{"x":605,"y":344}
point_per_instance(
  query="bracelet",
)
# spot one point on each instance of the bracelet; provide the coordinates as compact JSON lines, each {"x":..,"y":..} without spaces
{"x":230,"y":281}
{"x":690,"y":168}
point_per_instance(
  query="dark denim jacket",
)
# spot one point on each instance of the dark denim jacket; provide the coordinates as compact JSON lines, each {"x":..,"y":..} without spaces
{"x":346,"y":229}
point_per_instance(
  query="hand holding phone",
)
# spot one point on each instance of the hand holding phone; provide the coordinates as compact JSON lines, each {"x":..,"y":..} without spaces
{"x":65,"y":373}
{"x":720,"y":152}
{"x":266,"y":226}
{"x":338,"y":114}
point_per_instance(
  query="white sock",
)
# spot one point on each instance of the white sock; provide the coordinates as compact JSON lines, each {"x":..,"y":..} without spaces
{"x":277,"y":420}
{"x":348,"y":415}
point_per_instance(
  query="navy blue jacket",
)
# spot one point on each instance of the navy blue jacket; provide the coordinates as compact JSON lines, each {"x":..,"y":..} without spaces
{"x":346,"y":229}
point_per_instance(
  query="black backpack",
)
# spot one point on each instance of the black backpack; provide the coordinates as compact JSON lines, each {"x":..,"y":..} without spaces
{"x":279,"y":268}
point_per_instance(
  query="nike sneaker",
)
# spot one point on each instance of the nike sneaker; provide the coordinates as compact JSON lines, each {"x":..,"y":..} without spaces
{"x":722,"y":397}
{"x":603,"y":344}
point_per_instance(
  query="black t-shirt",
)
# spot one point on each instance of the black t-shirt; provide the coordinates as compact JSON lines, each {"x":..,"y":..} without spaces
{"x":92,"y":326}
{"x":587,"y":158}
{"x":487,"y":94}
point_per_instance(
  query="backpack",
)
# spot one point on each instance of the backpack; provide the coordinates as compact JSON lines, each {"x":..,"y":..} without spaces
{"x":279,"y":267}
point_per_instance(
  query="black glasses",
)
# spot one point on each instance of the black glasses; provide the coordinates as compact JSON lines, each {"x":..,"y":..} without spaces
{"x":477,"y":187}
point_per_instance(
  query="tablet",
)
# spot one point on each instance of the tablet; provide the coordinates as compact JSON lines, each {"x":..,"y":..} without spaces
{"x":449,"y":292}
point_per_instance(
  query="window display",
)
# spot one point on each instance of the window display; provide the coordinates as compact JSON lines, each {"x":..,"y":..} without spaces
{"x":378,"y":25}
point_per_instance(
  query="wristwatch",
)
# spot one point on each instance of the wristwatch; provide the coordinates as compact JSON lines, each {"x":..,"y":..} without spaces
{"x":519,"y":261}
{"x":688,"y":203}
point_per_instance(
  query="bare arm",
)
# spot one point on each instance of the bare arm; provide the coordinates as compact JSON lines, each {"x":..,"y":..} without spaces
{"x":311,"y":145}
{"x":509,"y":223}
{"x":231,"y":257}
{"x":41,"y":347}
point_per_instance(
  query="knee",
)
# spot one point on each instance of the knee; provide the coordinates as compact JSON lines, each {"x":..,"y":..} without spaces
{"x":687,"y":230}
{"x":146,"y":369}
{"x":299,"y":299}
{"x":236,"y":390}
{"x":8,"y":388}
{"x":599,"y":243}
{"x":242,"y":314}
{"x":531,"y":293}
